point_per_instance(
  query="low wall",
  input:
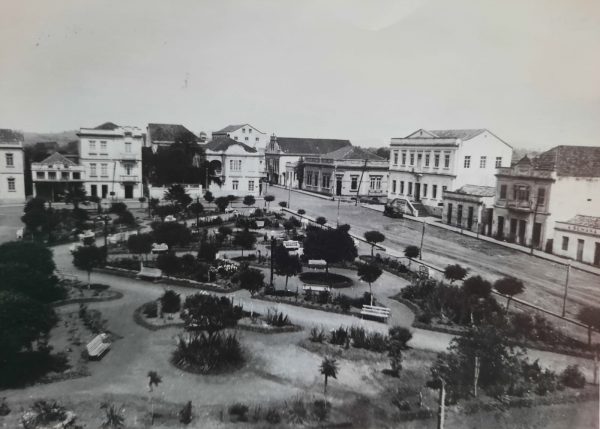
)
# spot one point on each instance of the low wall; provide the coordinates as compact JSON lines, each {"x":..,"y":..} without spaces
{"x":194,"y":191}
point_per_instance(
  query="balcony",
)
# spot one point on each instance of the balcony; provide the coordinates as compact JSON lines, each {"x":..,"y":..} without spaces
{"x":129,"y":178}
{"x":519,"y":205}
{"x":128,"y":156}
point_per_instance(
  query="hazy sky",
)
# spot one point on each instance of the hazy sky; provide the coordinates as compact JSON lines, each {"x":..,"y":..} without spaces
{"x":365,"y":70}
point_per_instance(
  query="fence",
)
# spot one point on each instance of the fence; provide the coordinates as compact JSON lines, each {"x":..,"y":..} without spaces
{"x":194,"y":191}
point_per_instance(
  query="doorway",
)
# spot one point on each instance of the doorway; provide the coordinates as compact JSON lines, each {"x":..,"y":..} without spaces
{"x":522,"y":227}
{"x":580,"y":244}
{"x":500,"y":232}
{"x":417,"y":192}
{"x":470,"y":218}
{"x":513,"y":229}
{"x":104,"y":191}
{"x":94,"y":190}
{"x":537,"y":233}
{"x":338,"y":186}
{"x":459,"y":214}
{"x":449,"y":215}
{"x":597,"y":255}
{"x":128,"y":191}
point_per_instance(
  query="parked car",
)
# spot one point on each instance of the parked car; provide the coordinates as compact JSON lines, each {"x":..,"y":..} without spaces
{"x":395,"y":208}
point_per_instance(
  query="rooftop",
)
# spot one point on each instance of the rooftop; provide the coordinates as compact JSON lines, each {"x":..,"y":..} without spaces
{"x":170,"y":133}
{"x":299,"y":145}
{"x":353,"y":152}
{"x":221,"y":144}
{"x":586,"y":221}
{"x":479,"y":191}
{"x":574,"y":161}
{"x":231,"y":128}
{"x":107,"y":126}
{"x":57,"y":158}
{"x":10,"y":136}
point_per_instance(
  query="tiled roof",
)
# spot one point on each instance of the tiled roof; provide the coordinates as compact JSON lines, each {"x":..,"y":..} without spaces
{"x":170,"y":133}
{"x":107,"y":126}
{"x":587,"y":221}
{"x":57,"y":158}
{"x":353,"y":152}
{"x":229,"y":128}
{"x":10,"y":136}
{"x":574,"y":161}
{"x":457,"y":134}
{"x":480,"y":191}
{"x":310,"y":146}
{"x":221,"y":144}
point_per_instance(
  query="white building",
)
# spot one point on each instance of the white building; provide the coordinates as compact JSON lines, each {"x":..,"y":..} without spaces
{"x":244,"y":133}
{"x":53,"y":176}
{"x":237,"y":167}
{"x":579,"y":238}
{"x":534,"y":194}
{"x":426,"y":163}
{"x":12,"y":167}
{"x":112,"y":158}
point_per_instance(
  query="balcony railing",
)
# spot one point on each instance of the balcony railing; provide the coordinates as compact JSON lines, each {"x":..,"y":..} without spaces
{"x":129,"y":178}
{"x":521,"y":205}
{"x":128,"y":156}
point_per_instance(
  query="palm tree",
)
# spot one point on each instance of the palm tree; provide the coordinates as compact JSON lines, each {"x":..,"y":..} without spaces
{"x":153,"y":380}
{"x":75,"y":195}
{"x":329,"y":368}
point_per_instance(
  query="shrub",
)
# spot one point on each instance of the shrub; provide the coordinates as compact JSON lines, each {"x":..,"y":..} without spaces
{"x":573,"y":377}
{"x":48,"y":412}
{"x":113,"y":416}
{"x":239,"y":412}
{"x":169,"y":263}
{"x":209,"y":313}
{"x":4,"y":408}
{"x":273,"y":416}
{"x":170,"y":301}
{"x":339,"y":336}
{"x":323,"y":297}
{"x":321,"y":409}
{"x":455,"y":272}
{"x":277,"y":319}
{"x":150,"y":309}
{"x":297,"y":412}
{"x":317,"y":335}
{"x":400,"y":334}
{"x":185,"y":415}
{"x":207,"y":354}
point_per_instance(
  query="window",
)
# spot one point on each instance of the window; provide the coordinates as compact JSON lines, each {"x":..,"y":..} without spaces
{"x":498,"y":161}
{"x":502,"y":192}
{"x":482,"y":161}
{"x":104,"y":170}
{"x":521,"y":192}
{"x":103,"y":146}
{"x":412,"y":159}
{"x":541,"y":198}
{"x":446,"y":160}
{"x":424,"y":190}
{"x":325,"y":181}
{"x":565,"y":243}
{"x":409,"y":188}
{"x":444,"y":189}
{"x":434,"y":191}
{"x":93,"y":170}
{"x":427,"y":160}
{"x":11,"y":184}
{"x":243,"y":130}
{"x":92,"y":145}
{"x":10,"y":162}
{"x":393,"y":186}
{"x":467,"y":162}
{"x":436,"y":160}
{"x":128,"y":168}
{"x":52,"y":175}
{"x":375,"y":183}
{"x":40,"y":175}
{"x":246,"y":138}
{"x":127,"y":147}
{"x":402,"y":187}
{"x":235,"y":164}
{"x":76,"y":176}
{"x":403,"y":158}
{"x":353,"y":183}
{"x":235,"y":138}
{"x":235,"y":184}
{"x":64,"y":175}
{"x":251,"y":185}
{"x":250,"y":130}
{"x":395,"y":157}
{"x":256,"y":139}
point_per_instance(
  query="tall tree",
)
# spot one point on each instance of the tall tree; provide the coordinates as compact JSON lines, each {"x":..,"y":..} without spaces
{"x":331,"y":245}
{"x":269,"y":199}
{"x":208,"y":197}
{"x":75,"y":194}
{"x":250,"y":279}
{"x":285,"y":264}
{"x":245,"y":239}
{"x":87,"y":258}
{"x":374,"y":237}
{"x":369,"y":273}
{"x":321,"y":220}
{"x":178,"y":196}
{"x":411,"y":252}
{"x":153,"y":380}
{"x":249,"y":200}
{"x":140,"y":244}
{"x":222,"y":203}
{"x":329,"y":368}
{"x":510,"y":287}
{"x":455,"y":272}
{"x":591,"y":317}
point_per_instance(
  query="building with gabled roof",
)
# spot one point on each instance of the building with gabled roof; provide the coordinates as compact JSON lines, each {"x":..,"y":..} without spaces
{"x":469,"y":207}
{"x":244,"y":133}
{"x":54,"y":175}
{"x":163,"y":135}
{"x":536,"y":193}
{"x":426,"y":163}
{"x":578,"y":238}
{"x":12,"y":166}
{"x":238,"y":168}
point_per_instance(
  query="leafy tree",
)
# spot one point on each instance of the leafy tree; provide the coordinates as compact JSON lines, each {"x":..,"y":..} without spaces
{"x":75,"y":195}
{"x":331,"y":245}
{"x":153,"y":380}
{"x":140,"y":244}
{"x":22,"y":321}
{"x":162,"y":211}
{"x":249,"y":200}
{"x":185,"y":414}
{"x":250,"y":279}
{"x":321,"y":220}
{"x":87,"y":258}
{"x":33,"y":255}
{"x":96,"y":200}
{"x":196,"y":208}
{"x":118,"y":208}
{"x":477,"y":286}
{"x":142,"y":200}
{"x":208,"y":197}
{"x":245,"y":239}
{"x":222,"y":203}
{"x":269,"y":199}
{"x":207,"y":251}
{"x":169,"y":263}
{"x":374,"y":237}
{"x":510,"y":287}
{"x":37,"y":218}
{"x":209,"y":313}
{"x":329,"y":368}
{"x":170,"y":301}
{"x":224,"y":232}
{"x":455,"y":272}
{"x":171,"y":233}
{"x":301,"y":212}
{"x":591,"y":317}
{"x":177,"y":196}
{"x":411,"y":252}
{"x":369,"y":273}
{"x":282,"y":204}
{"x":285,"y":264}
{"x":126,"y":218}
{"x":113,"y":416}
{"x":21,"y":278}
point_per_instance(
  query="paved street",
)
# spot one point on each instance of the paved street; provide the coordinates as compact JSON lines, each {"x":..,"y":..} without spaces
{"x":544,"y":280}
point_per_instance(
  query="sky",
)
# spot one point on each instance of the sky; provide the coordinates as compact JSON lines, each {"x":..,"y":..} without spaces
{"x":528,"y":70}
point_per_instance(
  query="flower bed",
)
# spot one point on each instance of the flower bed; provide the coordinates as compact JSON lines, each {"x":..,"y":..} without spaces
{"x":336,"y":281}
{"x":258,"y":324}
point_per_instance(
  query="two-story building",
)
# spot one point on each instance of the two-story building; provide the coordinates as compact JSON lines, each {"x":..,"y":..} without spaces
{"x":428,"y":162}
{"x":12,"y":167}
{"x":534,"y":194}
{"x":284,"y":151}
{"x":53,"y":176}
{"x":112,"y":159}
{"x":347,"y":172}
{"x":244,"y":133}
{"x":237,"y":166}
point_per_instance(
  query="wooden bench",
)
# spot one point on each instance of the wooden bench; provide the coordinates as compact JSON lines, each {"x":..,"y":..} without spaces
{"x":98,"y":346}
{"x":310,"y":288}
{"x":149,"y":273}
{"x":374,"y":311}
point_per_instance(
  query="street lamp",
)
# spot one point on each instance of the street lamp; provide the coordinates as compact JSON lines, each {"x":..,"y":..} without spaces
{"x":104,"y":219}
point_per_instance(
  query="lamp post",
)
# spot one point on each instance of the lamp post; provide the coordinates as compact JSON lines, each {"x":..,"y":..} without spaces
{"x":422,"y":238}
{"x":105,"y":219}
{"x":338,"y":211}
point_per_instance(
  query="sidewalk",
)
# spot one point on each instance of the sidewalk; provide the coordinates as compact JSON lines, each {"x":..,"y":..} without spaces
{"x":300,"y":191}
{"x":430,"y":220}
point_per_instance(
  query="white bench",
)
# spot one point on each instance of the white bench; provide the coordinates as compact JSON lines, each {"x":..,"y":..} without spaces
{"x":374,"y":311}
{"x":98,"y":346}
{"x":310,"y":288}
{"x":150,"y":273}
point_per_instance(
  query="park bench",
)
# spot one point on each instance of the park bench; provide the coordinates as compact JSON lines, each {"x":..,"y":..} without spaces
{"x":317,"y":263}
{"x":374,"y":311}
{"x":311,"y":288}
{"x":149,"y":273}
{"x":159,"y":248}
{"x":98,"y":346}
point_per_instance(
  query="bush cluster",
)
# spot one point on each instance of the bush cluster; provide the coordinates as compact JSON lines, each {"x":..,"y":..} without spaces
{"x":298,"y":411}
{"x":277,"y":319}
{"x":208,"y":353}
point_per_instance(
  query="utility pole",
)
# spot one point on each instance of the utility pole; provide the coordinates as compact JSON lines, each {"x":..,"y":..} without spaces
{"x":289,"y":191}
{"x":422,"y":237}
{"x":360,"y":182}
{"x":535,"y":209}
{"x":566,"y":289}
{"x":338,"y":211}
{"x":441,"y":405}
{"x":272,"y":250}
{"x":197,"y":214}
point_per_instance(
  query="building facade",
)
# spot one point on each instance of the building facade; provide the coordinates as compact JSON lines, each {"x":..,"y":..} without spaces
{"x":470,"y":207}
{"x":426,"y":163}
{"x":283,"y":152}
{"x":112,"y":159}
{"x":164,"y":135}
{"x":53,"y":176}
{"x":12,"y":167}
{"x":244,"y":133}
{"x":534,"y":194}
{"x":237,"y":166}
{"x":347,"y":172}
{"x":579,"y":238}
